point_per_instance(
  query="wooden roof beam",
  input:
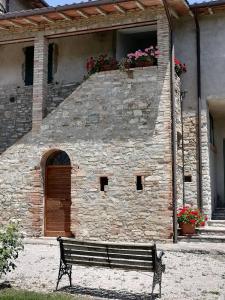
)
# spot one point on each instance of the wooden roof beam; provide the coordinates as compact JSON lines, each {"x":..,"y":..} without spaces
{"x":64,"y":16}
{"x":101,"y":11}
{"x":47,"y":19}
{"x":119,"y":8}
{"x":140,"y":5}
{"x":82,"y":14}
{"x":3,"y":27}
{"x":30,"y":22}
{"x":13,"y":23}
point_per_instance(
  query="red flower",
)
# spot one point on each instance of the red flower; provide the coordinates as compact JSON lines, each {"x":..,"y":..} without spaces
{"x":192,"y":221}
{"x":202,"y":223}
{"x":176,"y":61}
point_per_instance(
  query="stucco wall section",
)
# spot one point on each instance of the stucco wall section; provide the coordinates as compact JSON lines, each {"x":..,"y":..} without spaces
{"x":71,"y":54}
{"x":12,"y":59}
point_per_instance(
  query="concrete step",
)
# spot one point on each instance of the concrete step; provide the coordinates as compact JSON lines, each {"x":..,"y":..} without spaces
{"x":211,"y":230}
{"x":218,"y":217}
{"x":202,"y":238}
{"x":216,"y":223}
{"x":219,"y":214}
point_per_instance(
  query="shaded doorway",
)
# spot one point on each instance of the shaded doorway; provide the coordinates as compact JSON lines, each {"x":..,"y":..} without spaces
{"x":58,"y":195}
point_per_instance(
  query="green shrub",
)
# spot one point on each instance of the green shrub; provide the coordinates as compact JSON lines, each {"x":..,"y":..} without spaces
{"x":10,"y":245}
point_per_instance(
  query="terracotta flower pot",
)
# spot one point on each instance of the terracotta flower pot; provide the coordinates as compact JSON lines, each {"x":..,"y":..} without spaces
{"x":143,"y":63}
{"x":187,"y":228}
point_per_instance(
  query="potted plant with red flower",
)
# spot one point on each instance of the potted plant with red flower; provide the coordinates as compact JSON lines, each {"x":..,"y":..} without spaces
{"x":189,"y":218}
{"x":101,"y":63}
{"x":145,"y":58}
{"x":180,"y":68}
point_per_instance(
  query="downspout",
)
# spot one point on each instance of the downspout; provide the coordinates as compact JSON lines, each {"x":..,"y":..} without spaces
{"x":173,"y":123}
{"x":199,"y":94}
{"x":182,"y":131}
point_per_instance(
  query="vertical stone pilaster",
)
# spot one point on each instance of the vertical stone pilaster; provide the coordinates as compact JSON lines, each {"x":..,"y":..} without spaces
{"x":40,"y":81}
{"x":206,"y":181}
{"x":163,"y":126}
{"x":190,"y":124}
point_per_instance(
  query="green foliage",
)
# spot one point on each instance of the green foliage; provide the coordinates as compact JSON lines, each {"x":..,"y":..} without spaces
{"x":10,"y":245}
{"x":11,"y":294}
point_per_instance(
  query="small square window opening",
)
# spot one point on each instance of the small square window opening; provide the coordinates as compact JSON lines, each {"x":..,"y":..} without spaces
{"x":139,"y":183}
{"x":103,"y":184}
{"x":187,"y":178}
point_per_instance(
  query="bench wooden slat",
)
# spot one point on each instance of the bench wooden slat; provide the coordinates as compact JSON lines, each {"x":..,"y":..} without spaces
{"x":109,"y":245}
{"x":106,"y":265}
{"x":105,"y":260}
{"x":110,"y":254}
{"x":110,"y":250}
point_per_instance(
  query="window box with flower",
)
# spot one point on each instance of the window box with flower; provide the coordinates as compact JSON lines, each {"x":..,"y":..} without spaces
{"x":140,"y":58}
{"x":189,"y":218}
{"x":101,"y":63}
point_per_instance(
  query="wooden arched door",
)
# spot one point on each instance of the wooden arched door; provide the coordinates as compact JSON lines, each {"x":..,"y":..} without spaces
{"x":58,"y":195}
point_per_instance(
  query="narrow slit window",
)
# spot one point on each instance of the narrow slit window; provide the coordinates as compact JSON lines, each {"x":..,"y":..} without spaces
{"x":139,"y":183}
{"x":103,"y":184}
{"x":187,"y":178}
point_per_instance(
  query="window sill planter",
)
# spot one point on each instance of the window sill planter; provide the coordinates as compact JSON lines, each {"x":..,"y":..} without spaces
{"x":108,"y":68}
{"x":187,"y":229}
{"x":143,"y":64}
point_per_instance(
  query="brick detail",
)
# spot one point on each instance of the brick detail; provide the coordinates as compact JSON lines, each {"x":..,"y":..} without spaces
{"x":40,"y":81}
{"x":36,"y":199}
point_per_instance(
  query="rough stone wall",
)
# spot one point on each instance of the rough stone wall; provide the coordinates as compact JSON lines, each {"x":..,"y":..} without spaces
{"x":190,"y":157}
{"x":206,"y":180}
{"x":57,"y":93}
{"x":190,"y":128}
{"x":179,"y":145}
{"x":16,"y":114}
{"x":16,"y":109}
{"x":111,"y":126}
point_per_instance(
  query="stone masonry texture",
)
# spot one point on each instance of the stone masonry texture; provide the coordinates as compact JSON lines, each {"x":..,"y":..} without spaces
{"x":111,"y":125}
{"x":179,"y":146}
{"x":16,"y":109}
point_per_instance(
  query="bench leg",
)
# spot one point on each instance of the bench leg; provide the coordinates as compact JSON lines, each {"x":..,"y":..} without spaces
{"x":157,"y":279}
{"x":64,"y":270}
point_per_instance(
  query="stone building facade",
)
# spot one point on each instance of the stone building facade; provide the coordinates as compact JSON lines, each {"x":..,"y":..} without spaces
{"x":128,"y":139}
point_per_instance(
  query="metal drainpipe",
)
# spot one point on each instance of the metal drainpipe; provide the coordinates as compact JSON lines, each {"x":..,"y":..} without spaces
{"x":199,"y":92}
{"x":173,"y":115}
{"x":182,"y":131}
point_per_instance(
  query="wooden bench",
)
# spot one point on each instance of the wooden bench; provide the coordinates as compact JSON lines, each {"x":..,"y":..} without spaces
{"x":138,"y":257}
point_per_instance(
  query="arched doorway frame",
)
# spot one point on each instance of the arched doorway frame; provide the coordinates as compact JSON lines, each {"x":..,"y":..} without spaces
{"x":44,"y":164}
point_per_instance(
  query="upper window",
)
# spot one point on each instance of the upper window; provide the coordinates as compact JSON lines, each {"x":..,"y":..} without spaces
{"x":132,"y":39}
{"x":29,"y":64}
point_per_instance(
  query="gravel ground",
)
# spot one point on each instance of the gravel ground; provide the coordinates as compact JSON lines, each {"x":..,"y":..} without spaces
{"x":192,"y":276}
